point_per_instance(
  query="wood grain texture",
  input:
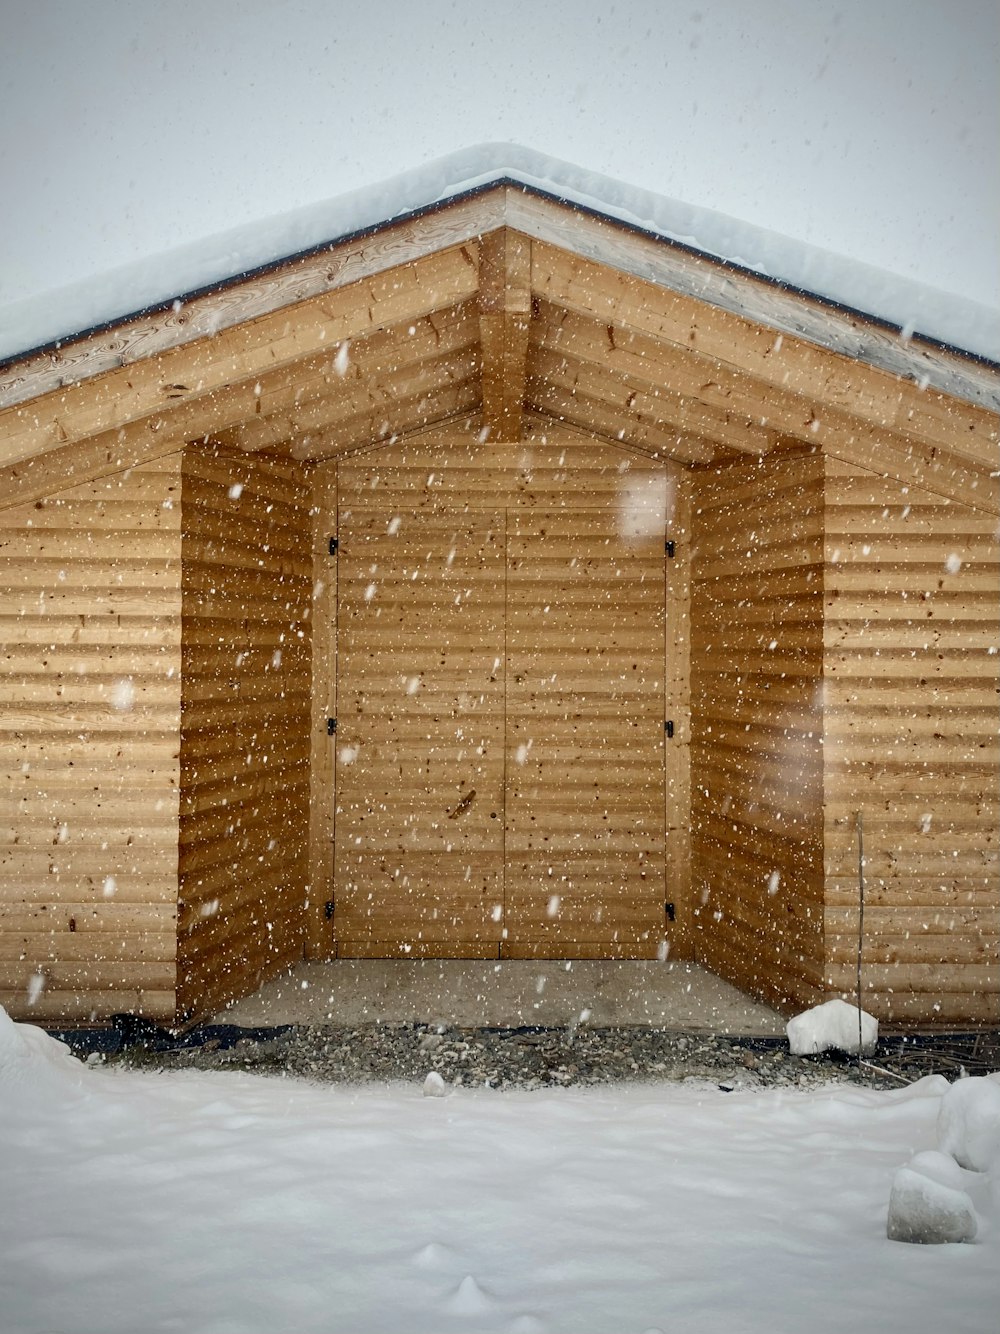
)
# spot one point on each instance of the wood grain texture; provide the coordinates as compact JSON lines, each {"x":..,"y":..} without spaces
{"x":912,"y":741}
{"x":419,"y":772}
{"x":190,"y":391}
{"x":504,"y":316}
{"x":585,"y":737}
{"x":245,"y":723}
{"x":90,"y":627}
{"x":802,"y":391}
{"x":756,"y":720}
{"x":609,"y":243}
{"x":320,"y":942}
{"x":574,"y":586}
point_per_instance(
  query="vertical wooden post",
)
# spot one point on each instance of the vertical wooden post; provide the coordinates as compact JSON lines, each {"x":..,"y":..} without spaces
{"x":504,"y":315}
{"x":319,"y":940}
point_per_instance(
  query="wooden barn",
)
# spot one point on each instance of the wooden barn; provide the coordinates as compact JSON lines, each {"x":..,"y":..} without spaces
{"x":501,"y":582}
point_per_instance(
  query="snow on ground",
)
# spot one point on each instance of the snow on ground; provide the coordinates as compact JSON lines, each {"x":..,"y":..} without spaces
{"x":229,"y":1204}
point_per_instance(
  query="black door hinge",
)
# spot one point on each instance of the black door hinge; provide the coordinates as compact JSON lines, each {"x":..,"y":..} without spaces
{"x":331,"y":726}
{"x":669,"y":547}
{"x":334,"y":544}
{"x":670,"y":911}
{"x":668,"y":727}
{"x":328,"y":909}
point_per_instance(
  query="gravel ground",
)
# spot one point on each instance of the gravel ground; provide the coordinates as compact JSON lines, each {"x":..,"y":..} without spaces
{"x":529,"y":1058}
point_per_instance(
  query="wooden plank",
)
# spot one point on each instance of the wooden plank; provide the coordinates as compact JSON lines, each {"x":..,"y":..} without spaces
{"x":420,"y":603}
{"x":912,"y":741}
{"x":89,"y":683}
{"x":412,"y":379}
{"x":343,"y":369}
{"x":861,"y":414}
{"x":504,"y":316}
{"x":182,"y":392}
{"x":373,"y":429}
{"x":319,"y":939}
{"x":585,"y":672}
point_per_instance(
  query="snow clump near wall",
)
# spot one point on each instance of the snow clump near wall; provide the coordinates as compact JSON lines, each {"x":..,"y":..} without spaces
{"x":31,"y":1060}
{"x":832,"y":1026}
{"x":930,"y":1200}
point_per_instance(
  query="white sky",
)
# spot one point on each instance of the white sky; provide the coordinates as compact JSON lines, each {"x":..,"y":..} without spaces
{"x":867,"y":127}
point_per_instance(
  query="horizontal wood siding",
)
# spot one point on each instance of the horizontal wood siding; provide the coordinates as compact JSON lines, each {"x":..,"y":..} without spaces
{"x":90,"y":656}
{"x":912,"y":741}
{"x":247,"y":585}
{"x":756,"y":739}
{"x":553,"y":471}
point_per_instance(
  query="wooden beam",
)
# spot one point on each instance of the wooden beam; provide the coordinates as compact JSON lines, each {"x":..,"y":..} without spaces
{"x":846,"y":397}
{"x":505,"y":313}
{"x":187,"y":375}
{"x":389,"y":247}
{"x":846,"y":334}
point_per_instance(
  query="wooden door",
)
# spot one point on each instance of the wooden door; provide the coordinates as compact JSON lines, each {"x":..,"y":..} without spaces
{"x":585,"y":788}
{"x":500,"y":752}
{"x":418,"y":864}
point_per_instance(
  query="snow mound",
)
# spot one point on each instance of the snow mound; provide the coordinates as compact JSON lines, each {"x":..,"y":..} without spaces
{"x":924,"y":1211}
{"x":434,"y":1086}
{"x":939,"y":1167}
{"x":832,"y":1026}
{"x":30,"y":1058}
{"x":969,"y":1123}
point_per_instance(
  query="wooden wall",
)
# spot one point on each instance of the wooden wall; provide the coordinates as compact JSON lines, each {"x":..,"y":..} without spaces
{"x":244,"y":753}
{"x":756,"y":741}
{"x":912,"y":740}
{"x":90,"y":696}
{"x":553,"y":469}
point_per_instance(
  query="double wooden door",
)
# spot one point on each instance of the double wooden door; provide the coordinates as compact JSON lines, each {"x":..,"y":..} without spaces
{"x":500,"y":736}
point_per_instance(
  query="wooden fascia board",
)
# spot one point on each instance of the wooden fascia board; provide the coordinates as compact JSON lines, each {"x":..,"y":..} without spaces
{"x":179,"y":386}
{"x":211,"y":313}
{"x":137,"y":374}
{"x":711,"y":282}
{"x":616,"y":244}
{"x":847,"y":391}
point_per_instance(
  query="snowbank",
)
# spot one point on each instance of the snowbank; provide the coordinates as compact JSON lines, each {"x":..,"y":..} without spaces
{"x":832,"y":1026}
{"x":33,"y":1062}
{"x":212,"y":1203}
{"x":969,"y":1123}
{"x":931,"y":1199}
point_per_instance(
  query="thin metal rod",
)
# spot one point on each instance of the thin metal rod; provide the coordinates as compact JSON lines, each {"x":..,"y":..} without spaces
{"x":861,"y":916}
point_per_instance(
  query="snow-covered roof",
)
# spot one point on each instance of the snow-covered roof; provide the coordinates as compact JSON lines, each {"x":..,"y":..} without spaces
{"x":916,"y":310}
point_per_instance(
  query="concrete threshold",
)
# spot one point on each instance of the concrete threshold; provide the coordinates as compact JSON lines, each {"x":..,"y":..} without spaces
{"x":513,"y":993}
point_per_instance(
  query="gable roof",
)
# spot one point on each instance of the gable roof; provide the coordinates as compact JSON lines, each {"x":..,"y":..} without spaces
{"x":501,"y":299}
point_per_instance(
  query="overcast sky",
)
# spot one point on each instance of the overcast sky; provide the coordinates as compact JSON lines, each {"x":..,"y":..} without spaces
{"x":869,"y":127}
